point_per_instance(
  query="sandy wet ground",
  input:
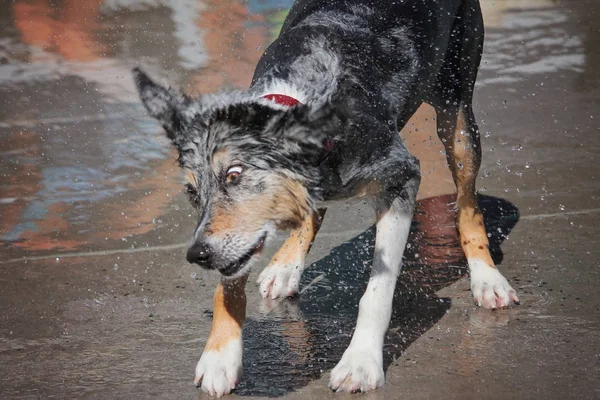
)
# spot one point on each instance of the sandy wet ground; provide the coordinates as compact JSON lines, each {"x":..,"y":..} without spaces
{"x":97,"y":301}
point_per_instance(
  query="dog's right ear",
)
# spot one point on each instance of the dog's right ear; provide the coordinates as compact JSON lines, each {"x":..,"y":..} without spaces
{"x":164,"y":104}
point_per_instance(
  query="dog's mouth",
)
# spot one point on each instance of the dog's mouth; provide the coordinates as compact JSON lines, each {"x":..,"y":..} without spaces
{"x":239,"y":264}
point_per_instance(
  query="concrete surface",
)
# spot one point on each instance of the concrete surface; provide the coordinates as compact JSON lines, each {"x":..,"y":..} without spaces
{"x":97,"y":301}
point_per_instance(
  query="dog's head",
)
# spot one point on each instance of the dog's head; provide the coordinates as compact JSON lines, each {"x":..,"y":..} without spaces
{"x":252,"y":166}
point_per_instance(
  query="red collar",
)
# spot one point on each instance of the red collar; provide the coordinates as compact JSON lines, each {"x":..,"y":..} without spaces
{"x":282,"y":99}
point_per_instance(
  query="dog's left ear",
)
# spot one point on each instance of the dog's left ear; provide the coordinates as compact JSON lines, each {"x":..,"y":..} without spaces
{"x":164,"y":104}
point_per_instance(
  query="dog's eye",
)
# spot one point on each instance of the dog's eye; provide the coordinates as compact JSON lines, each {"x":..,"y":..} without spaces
{"x":192,"y":194}
{"x":233,"y":174}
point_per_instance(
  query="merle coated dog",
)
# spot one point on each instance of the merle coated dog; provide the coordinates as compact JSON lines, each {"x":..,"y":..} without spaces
{"x":320,"y":122}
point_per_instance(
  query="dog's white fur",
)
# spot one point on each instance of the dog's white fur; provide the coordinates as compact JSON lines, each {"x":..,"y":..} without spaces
{"x":281,"y":280}
{"x":220,"y":370}
{"x":361,"y":366}
{"x":487,"y":283}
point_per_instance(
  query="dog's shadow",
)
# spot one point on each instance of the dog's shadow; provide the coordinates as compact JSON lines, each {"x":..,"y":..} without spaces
{"x":299,"y":340}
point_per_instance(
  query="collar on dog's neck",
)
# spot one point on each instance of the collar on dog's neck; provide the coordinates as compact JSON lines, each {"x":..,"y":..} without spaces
{"x":282,"y":99}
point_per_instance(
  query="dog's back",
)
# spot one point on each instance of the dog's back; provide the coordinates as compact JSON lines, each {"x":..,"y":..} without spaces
{"x":377,"y":42}
{"x":381,"y":60}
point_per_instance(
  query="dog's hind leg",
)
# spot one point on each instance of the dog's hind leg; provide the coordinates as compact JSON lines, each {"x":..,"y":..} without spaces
{"x":282,"y":276}
{"x":460,"y":135}
{"x":361,"y":366}
{"x":457,"y":129}
{"x":220,"y":366}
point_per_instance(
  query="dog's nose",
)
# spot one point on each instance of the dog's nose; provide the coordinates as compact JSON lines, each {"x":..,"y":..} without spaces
{"x":199,"y":253}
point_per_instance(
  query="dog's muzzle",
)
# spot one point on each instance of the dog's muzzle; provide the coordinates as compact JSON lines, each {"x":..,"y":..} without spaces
{"x":203,"y":255}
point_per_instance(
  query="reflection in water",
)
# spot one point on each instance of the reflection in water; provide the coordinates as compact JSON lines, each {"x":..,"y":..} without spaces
{"x":56,"y":186}
{"x":297,"y":340}
{"x":528,"y":40}
{"x":21,"y":183}
{"x":233,"y":40}
{"x":67,"y":29}
{"x":67,"y":179}
{"x":235,"y":36}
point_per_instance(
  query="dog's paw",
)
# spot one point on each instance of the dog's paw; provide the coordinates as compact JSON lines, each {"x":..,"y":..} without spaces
{"x":220,"y":370}
{"x":280,"y":280}
{"x":357,"y":371}
{"x":490,"y":289}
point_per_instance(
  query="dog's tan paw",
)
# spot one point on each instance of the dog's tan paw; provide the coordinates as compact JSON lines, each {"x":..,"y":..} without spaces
{"x":490,"y":289}
{"x":357,"y":371}
{"x":280,"y":280}
{"x":220,"y":370}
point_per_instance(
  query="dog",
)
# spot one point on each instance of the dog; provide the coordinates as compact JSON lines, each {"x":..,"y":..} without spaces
{"x":320,"y":122}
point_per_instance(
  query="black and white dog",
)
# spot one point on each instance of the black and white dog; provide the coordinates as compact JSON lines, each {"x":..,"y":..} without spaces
{"x":321,"y":122}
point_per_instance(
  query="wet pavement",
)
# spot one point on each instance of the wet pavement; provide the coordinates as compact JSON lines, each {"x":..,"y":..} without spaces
{"x":97,"y":301}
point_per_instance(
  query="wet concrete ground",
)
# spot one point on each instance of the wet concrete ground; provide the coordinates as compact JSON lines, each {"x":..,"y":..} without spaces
{"x":97,"y":301}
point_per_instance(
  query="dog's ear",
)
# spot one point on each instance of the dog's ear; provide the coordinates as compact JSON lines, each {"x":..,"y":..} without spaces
{"x":329,"y":119}
{"x":317,"y":126}
{"x":164,"y":104}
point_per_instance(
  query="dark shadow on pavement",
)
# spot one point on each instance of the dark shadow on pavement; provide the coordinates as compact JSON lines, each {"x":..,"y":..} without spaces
{"x":300,"y":339}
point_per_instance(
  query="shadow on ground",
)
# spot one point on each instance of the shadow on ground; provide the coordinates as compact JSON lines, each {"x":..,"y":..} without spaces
{"x":297,"y":340}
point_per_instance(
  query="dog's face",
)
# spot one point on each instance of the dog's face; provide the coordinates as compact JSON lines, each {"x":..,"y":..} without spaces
{"x":251,"y":167}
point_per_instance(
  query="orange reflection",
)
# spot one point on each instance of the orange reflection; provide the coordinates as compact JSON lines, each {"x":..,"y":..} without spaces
{"x":159,"y":189}
{"x":147,"y":199}
{"x":51,"y":232}
{"x":234,"y":40}
{"x":66,"y":29}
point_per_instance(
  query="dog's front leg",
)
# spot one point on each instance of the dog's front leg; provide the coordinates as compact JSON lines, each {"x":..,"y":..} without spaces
{"x":220,"y":366}
{"x":282,"y":276}
{"x":361,"y":366}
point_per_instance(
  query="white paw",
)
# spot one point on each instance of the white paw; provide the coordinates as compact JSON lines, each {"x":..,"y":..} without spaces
{"x":358,"y":370}
{"x":280,"y":280}
{"x":490,"y":289}
{"x":220,"y":370}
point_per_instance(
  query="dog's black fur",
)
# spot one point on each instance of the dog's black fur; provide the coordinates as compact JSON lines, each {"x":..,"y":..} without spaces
{"x":391,"y":59}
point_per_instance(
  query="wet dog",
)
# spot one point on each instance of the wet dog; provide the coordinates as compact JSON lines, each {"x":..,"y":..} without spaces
{"x":320,"y":122}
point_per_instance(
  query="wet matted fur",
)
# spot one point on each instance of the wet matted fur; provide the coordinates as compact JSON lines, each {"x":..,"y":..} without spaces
{"x":359,"y":70}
